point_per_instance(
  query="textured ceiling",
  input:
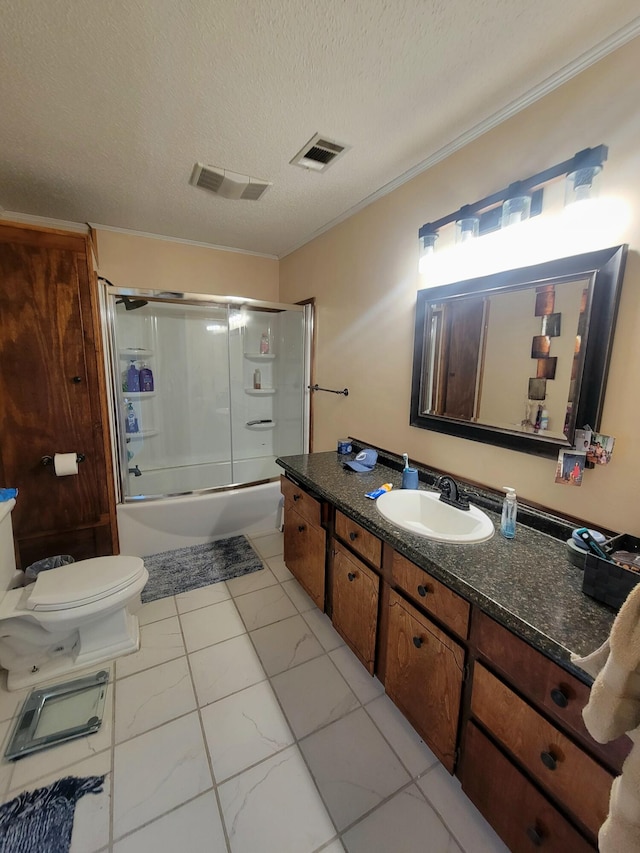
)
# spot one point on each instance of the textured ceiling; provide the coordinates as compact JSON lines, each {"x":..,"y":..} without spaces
{"x":106,"y":106}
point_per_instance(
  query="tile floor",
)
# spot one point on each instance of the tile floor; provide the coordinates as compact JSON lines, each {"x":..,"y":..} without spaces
{"x":244,"y":724}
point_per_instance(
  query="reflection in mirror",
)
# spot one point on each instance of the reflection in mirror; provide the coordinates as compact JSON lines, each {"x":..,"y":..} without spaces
{"x":518,"y":358}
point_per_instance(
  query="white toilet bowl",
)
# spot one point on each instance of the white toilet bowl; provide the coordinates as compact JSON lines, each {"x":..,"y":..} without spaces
{"x":72,"y":617}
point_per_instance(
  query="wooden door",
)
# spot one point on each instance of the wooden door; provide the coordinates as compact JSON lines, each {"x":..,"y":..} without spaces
{"x":463,"y":338}
{"x":424,"y":677}
{"x":52,"y":392}
{"x":304,"y":553}
{"x":355,"y":590}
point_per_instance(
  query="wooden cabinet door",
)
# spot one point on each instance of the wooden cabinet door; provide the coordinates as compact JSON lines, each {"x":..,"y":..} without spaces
{"x":424,"y":677}
{"x":355,"y":591}
{"x":304,"y":553}
{"x":522,"y":817}
{"x":50,"y":387}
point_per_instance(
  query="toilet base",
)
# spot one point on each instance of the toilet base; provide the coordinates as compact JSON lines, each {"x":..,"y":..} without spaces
{"x":115,"y":635}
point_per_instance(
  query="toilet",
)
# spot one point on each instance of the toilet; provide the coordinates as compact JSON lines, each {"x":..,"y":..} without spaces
{"x":72,"y":617}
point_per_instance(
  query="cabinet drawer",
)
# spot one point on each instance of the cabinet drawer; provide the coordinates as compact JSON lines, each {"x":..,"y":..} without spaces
{"x":519,"y":813}
{"x":304,"y":554}
{"x":304,"y":504}
{"x":560,"y":766}
{"x":424,"y":677}
{"x":548,"y":685}
{"x":355,"y":604}
{"x":359,"y":539}
{"x":429,"y":593}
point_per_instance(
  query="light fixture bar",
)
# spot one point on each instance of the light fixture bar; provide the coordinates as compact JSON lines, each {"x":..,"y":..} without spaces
{"x":589,"y":158}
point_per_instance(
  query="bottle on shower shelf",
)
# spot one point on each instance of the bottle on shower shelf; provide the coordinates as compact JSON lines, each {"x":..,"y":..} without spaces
{"x":131,"y":421}
{"x":257,"y":380}
{"x":133,"y":377}
{"x":264,"y":343}
{"x":146,"y":378}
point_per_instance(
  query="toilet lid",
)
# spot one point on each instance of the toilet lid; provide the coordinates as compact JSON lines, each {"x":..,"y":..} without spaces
{"x":83,"y":582}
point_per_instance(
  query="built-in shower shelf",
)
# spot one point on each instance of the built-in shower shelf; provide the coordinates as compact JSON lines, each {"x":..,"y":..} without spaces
{"x":139,"y":395}
{"x":258,"y":427}
{"x":260,"y":356}
{"x":144,"y":433}
{"x":135,"y":353}
{"x":260,"y":392}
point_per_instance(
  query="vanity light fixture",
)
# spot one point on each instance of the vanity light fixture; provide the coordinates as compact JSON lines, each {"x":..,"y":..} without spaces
{"x":519,"y":201}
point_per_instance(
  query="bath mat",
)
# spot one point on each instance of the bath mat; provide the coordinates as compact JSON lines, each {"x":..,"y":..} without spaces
{"x":41,"y":821}
{"x":172,"y":572}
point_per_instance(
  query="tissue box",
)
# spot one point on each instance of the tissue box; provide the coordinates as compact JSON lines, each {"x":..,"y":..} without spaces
{"x":609,"y":582}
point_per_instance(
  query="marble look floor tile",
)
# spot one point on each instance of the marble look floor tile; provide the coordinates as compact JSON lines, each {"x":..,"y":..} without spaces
{"x":91,"y":818}
{"x":470,"y":830}
{"x":313,"y":694}
{"x":159,"y":642}
{"x":404,"y":739}
{"x":275,"y":806}
{"x":210,"y":625}
{"x":225,"y":668}
{"x":285,"y":644}
{"x":270,"y":545}
{"x":193,"y":828}
{"x":335,"y":847}
{"x":404,"y":823}
{"x":354,"y":767}
{"x":298,"y":596}
{"x":154,"y":611}
{"x":321,"y":626}
{"x":157,"y":771}
{"x":57,"y":758}
{"x":153,"y":697}
{"x":265,"y":606}
{"x":243,"y":729}
{"x":251,"y":582}
{"x":364,"y":685}
{"x":202,"y":597}
{"x":279,"y":568}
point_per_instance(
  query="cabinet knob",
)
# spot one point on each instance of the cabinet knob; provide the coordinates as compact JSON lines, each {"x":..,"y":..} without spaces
{"x":297,"y":497}
{"x":351,"y":576}
{"x":353,"y":536}
{"x":417,"y":642}
{"x":77,"y":380}
{"x":301,"y":528}
{"x":559,"y":697}
{"x":422,"y":590}
{"x":534,"y":836}
{"x":549,"y":760}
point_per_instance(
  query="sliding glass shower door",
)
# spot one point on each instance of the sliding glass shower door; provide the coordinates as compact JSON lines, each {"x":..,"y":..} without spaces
{"x":207,"y":393}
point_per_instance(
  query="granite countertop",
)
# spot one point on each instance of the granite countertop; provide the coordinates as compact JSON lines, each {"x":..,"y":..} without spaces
{"x":526,"y":583}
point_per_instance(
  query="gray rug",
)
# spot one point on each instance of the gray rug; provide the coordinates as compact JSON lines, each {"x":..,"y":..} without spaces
{"x":177,"y":571}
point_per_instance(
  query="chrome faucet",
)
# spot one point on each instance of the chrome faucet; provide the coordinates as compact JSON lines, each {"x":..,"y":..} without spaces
{"x":451,"y":493}
{"x":135,"y":471}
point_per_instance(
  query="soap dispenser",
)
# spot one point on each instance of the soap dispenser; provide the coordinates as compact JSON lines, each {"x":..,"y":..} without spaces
{"x":509,"y":512}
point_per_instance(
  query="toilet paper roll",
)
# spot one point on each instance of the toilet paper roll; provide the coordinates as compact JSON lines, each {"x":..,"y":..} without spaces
{"x":65,"y":464}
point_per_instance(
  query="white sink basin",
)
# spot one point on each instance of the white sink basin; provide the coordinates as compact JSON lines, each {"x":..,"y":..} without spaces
{"x":424,"y":514}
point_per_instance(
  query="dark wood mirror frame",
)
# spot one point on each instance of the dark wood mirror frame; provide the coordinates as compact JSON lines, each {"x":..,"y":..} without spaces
{"x":605,"y":269}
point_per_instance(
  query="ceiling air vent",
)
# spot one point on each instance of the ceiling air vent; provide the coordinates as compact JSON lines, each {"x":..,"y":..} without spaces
{"x":228,"y":184}
{"x":319,"y":153}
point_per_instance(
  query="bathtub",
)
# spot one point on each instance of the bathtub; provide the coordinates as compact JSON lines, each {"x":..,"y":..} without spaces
{"x":149,"y":527}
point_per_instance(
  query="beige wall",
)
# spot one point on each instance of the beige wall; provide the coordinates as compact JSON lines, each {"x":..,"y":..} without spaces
{"x":129,"y":260}
{"x":363,"y":274}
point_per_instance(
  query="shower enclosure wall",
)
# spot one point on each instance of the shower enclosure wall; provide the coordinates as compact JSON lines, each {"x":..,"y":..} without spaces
{"x":229,"y":389}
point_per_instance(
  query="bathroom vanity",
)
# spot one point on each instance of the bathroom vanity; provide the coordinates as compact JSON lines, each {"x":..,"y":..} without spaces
{"x":472,"y":644}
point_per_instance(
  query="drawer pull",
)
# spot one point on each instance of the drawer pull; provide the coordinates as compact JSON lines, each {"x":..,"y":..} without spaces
{"x":417,"y":642}
{"x":301,"y":528}
{"x":297,"y":497}
{"x":353,"y":536}
{"x":422,"y":590}
{"x":351,"y":576}
{"x":559,"y":697}
{"x":548,"y":760}
{"x":534,"y":836}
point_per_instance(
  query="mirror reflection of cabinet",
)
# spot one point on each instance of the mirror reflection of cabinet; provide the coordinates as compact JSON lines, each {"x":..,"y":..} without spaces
{"x":477,"y":371}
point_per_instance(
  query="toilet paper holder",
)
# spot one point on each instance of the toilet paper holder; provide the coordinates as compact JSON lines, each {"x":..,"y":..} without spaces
{"x":48,"y":460}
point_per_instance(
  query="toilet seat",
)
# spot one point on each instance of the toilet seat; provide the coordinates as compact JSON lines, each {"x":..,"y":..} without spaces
{"x":83,"y":583}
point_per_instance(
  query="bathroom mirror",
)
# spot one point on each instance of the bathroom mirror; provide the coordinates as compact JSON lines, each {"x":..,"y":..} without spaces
{"x":518,"y":359}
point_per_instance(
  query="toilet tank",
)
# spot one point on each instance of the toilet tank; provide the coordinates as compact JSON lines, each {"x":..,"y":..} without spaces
{"x":7,"y":553}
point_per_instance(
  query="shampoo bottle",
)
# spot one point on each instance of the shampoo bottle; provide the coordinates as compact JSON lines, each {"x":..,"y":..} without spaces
{"x":146,"y":378}
{"x":509,"y":512}
{"x":257,"y":380}
{"x":133,"y":377}
{"x":264,"y":344}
